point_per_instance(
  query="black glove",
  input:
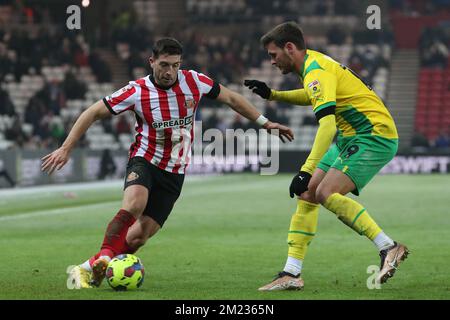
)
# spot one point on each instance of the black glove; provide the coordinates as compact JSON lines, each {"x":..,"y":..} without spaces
{"x":299,"y":183}
{"x":258,"y":87}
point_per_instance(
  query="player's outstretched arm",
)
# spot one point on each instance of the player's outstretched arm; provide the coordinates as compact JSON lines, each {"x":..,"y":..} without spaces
{"x":324,"y":138}
{"x":296,"y":97}
{"x":58,"y":158}
{"x":242,"y":106}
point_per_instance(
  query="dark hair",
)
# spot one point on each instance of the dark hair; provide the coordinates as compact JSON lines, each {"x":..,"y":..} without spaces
{"x":283,"y":33}
{"x":168,"y":46}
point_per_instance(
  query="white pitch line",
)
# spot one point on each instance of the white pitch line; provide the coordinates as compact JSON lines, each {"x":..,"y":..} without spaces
{"x":42,"y":189}
{"x":77,"y":186}
{"x":187,"y":193}
{"x":55,"y":212}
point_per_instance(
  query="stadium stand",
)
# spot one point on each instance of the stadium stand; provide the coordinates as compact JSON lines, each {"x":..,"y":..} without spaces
{"x":67,"y":72}
{"x":433,"y":102}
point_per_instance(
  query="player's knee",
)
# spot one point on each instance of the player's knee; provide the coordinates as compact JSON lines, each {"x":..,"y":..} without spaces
{"x":310,"y":194}
{"x":135,"y":206}
{"x":322,"y":194}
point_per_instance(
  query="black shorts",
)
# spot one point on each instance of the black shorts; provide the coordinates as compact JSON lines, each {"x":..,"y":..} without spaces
{"x":164,"y":187}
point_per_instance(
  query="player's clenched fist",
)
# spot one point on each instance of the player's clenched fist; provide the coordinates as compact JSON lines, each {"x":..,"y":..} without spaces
{"x":299,"y":183}
{"x":55,"y":160}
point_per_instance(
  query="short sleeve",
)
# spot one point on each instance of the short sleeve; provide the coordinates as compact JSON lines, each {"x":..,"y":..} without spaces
{"x":321,"y":89}
{"x":207,"y":86}
{"x":121,"y":100}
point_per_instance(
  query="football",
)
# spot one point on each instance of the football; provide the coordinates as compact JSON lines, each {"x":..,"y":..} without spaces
{"x":125,"y":272}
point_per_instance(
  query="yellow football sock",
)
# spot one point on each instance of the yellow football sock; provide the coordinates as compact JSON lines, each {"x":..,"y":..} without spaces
{"x":302,"y":229}
{"x":352,"y":214}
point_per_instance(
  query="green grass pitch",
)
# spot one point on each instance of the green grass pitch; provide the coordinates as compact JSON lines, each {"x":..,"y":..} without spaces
{"x":225,"y":238}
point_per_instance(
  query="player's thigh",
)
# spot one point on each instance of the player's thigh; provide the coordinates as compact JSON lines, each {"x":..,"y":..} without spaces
{"x":359,"y":160}
{"x":310,"y":194}
{"x":319,"y":174}
{"x":335,"y":181}
{"x":137,"y":185}
{"x":163,"y":195}
{"x":160,"y":204}
{"x":135,"y":199}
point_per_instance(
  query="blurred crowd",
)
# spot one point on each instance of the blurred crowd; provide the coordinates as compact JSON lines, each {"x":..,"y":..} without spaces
{"x":420,"y":142}
{"x":210,"y":55}
{"x":420,"y":7}
{"x":434,"y":47}
{"x":27,"y":52}
{"x":235,"y":11}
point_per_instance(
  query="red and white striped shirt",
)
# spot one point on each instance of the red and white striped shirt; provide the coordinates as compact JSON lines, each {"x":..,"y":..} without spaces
{"x":164,"y":117}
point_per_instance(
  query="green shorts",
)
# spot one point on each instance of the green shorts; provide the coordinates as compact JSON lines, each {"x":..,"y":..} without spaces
{"x":360,"y":157}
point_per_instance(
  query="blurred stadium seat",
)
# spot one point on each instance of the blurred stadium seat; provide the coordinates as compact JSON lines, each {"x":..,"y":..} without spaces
{"x":221,"y":39}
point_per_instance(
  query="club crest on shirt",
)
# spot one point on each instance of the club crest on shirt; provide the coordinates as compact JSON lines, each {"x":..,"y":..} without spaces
{"x":132,"y":176}
{"x":189,"y":104}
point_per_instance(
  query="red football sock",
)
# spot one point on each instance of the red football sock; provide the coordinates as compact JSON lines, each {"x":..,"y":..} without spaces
{"x":114,"y":242}
{"x":93,"y":258}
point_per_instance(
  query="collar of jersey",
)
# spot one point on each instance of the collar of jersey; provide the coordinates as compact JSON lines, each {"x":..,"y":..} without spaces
{"x":152,"y":79}
{"x":302,"y":70}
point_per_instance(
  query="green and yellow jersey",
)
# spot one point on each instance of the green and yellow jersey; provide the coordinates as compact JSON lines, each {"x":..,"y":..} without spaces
{"x":332,"y":88}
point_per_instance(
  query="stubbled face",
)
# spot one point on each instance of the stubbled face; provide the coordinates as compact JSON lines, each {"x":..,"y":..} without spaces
{"x":279,"y":57}
{"x":165,"y":69}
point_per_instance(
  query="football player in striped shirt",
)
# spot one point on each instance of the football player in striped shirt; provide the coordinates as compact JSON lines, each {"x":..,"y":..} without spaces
{"x":367,"y":140}
{"x":164,"y":104}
